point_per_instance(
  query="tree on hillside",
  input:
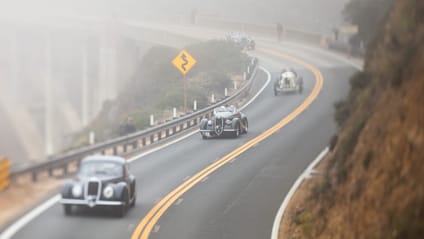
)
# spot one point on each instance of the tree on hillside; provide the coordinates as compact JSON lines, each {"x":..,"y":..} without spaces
{"x":368,"y":15}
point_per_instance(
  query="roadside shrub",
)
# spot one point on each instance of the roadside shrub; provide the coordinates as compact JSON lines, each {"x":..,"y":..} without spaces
{"x":342,"y":112}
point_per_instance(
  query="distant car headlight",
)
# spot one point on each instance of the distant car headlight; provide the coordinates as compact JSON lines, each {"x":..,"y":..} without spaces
{"x":228,"y":121}
{"x":108,"y":192}
{"x":77,"y":190}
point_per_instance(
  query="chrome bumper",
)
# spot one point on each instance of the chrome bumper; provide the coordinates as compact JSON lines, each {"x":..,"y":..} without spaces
{"x":90,"y":203}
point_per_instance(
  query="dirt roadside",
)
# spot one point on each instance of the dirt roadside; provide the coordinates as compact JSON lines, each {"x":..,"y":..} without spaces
{"x":23,"y":195}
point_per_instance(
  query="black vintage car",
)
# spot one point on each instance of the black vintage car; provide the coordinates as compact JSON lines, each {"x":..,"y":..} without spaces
{"x":225,"y":120}
{"x":102,"y":181}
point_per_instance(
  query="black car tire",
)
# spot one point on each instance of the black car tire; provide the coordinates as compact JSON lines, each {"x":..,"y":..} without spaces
{"x":67,"y":209}
{"x":133,"y":201}
{"x":237,"y":130}
{"x":204,"y":136}
{"x":122,"y":209}
{"x":246,"y":126}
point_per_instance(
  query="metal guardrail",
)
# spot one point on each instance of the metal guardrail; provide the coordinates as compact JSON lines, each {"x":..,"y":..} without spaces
{"x":4,"y":173}
{"x":135,"y":141}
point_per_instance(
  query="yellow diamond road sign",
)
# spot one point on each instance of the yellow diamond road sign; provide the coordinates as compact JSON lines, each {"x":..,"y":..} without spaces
{"x":184,"y":62}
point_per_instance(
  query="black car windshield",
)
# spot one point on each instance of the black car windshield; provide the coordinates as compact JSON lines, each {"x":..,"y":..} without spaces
{"x":101,"y":169}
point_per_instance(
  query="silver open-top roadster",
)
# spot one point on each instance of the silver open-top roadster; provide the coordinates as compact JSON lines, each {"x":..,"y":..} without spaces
{"x":102,"y":181}
{"x":288,"y":82}
{"x":225,"y":120}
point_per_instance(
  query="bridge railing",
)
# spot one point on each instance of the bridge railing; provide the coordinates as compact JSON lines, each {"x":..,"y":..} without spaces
{"x":132,"y":143}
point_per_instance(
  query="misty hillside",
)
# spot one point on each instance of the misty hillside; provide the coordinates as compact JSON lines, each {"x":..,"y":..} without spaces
{"x":374,"y":180}
{"x":319,"y":15}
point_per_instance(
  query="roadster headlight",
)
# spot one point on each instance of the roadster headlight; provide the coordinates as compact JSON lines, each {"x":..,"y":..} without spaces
{"x":77,"y":190}
{"x":108,"y":192}
{"x":228,"y":121}
{"x":209,"y":122}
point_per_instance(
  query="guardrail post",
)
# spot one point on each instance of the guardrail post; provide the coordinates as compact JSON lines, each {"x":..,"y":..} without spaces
{"x":65,"y":169}
{"x":50,"y":172}
{"x":125,"y":148}
{"x":167,"y":132}
{"x":152,"y":120}
{"x":34,"y":177}
{"x":159,"y":135}
{"x":115,"y":150}
{"x":143,"y":142}
{"x":4,"y":173}
{"x":135,"y":144}
{"x":152,"y":138}
{"x":226,"y":92}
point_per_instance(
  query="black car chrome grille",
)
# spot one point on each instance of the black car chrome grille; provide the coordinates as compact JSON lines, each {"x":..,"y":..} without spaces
{"x":219,"y":125}
{"x":92,"y":188}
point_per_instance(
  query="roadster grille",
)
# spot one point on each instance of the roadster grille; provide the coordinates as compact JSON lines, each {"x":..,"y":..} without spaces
{"x":92,"y":188}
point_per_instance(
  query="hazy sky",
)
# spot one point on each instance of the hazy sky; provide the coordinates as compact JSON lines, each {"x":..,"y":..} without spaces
{"x":310,"y":13}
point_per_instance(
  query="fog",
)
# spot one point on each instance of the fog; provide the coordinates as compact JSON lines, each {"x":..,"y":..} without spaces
{"x":73,"y":49}
{"x":308,"y":14}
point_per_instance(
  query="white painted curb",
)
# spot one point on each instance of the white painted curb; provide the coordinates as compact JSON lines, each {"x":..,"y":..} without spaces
{"x":293,"y":189}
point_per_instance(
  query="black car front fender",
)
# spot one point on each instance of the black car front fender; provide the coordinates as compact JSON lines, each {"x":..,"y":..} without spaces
{"x":66,"y":191}
{"x":120,"y":189}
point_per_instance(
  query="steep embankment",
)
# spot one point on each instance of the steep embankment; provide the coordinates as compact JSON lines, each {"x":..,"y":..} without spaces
{"x":373,"y":186}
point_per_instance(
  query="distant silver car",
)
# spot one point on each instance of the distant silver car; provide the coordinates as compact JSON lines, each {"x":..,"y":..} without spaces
{"x":102,"y":181}
{"x":242,"y":40}
{"x":288,"y":82}
{"x":225,"y":120}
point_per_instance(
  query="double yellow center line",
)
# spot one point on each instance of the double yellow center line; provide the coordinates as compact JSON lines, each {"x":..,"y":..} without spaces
{"x":144,"y":228}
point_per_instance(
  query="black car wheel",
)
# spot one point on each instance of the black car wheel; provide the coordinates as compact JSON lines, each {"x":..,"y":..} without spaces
{"x":204,"y":136}
{"x":246,"y":126}
{"x":122,"y":209}
{"x":237,"y":131}
{"x":67,"y":209}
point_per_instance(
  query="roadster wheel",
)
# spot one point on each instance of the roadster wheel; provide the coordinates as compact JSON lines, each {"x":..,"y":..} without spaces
{"x":67,"y":209}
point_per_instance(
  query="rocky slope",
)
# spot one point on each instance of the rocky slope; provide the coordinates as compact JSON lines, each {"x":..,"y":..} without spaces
{"x":374,"y":183}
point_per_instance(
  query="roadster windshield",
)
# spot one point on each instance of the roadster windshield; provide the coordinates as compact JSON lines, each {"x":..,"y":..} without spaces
{"x":101,"y":169}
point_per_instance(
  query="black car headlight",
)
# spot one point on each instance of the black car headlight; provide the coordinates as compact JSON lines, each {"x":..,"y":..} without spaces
{"x":77,"y":190}
{"x":108,"y":192}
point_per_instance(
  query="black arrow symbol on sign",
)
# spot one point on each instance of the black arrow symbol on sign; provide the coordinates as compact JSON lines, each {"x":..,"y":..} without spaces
{"x":184,"y":57}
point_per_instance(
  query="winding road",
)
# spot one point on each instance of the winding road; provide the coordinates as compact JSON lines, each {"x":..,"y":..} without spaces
{"x":242,"y":181}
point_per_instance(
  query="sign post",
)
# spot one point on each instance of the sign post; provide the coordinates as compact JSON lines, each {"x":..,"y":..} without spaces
{"x":184,"y":62}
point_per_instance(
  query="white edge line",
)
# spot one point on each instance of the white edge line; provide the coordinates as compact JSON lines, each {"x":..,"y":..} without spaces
{"x":23,"y":221}
{"x":280,"y":213}
{"x":293,"y":189}
{"x":10,"y":231}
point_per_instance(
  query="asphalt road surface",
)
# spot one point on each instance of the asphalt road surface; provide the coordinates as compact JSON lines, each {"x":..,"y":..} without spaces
{"x":241,"y":198}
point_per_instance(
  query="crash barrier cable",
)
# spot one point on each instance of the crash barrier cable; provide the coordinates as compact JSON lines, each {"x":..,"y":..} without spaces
{"x":4,"y":173}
